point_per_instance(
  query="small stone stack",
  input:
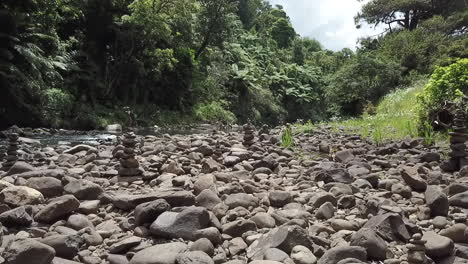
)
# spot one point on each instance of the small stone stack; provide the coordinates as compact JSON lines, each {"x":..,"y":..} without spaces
{"x":263,"y":133}
{"x":417,"y":250}
{"x":129,"y":166}
{"x":218,"y":152}
{"x":12,"y":152}
{"x":249,"y":135}
{"x":458,"y":138}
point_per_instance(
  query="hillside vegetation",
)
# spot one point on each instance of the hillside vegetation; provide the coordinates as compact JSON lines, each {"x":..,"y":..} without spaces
{"x":85,"y":64}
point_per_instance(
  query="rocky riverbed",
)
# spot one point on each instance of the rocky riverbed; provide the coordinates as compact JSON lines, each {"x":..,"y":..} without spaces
{"x":208,"y":198}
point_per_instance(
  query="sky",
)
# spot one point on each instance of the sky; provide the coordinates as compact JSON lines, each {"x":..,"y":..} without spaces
{"x":329,"y":21}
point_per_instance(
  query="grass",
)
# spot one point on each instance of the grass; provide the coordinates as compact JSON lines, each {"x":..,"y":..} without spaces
{"x":287,"y":139}
{"x":395,"y":118}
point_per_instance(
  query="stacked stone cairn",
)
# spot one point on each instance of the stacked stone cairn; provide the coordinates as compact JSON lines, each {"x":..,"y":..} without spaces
{"x":218,"y":151}
{"x":249,"y":135}
{"x":417,"y":250}
{"x":458,"y":138}
{"x":12,"y":152}
{"x":129,"y":166}
{"x":263,"y":133}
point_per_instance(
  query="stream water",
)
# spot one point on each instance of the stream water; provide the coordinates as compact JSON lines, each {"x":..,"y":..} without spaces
{"x":94,"y":137}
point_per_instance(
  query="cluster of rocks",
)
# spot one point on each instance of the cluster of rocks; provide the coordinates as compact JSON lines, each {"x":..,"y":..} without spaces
{"x":12,"y":152}
{"x":249,"y":135}
{"x":129,"y":166}
{"x":206,"y":198}
{"x":458,"y":154}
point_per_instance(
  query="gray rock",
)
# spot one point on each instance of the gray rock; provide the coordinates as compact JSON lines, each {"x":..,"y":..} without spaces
{"x":263,"y":220}
{"x":57,"y":208}
{"x":23,"y":251}
{"x":456,"y":233}
{"x":117,"y":259}
{"x":20,"y":216}
{"x":148,"y":212}
{"x":241,"y":199}
{"x":193,"y":257}
{"x":459,"y":199}
{"x":239,"y":227}
{"x":411,"y":176}
{"x":48,"y":186}
{"x":55,"y":173}
{"x":208,"y":199}
{"x":129,"y":202}
{"x":79,"y":221}
{"x":83,"y":189}
{"x":302,"y":255}
{"x":279,"y":198}
{"x":236,"y":246}
{"x":19,"y":167}
{"x":203,"y":244}
{"x":325,"y":211}
{"x":159,"y":254}
{"x":65,"y":246}
{"x":20,"y":195}
{"x":89,"y":207}
{"x":275,"y":255}
{"x":389,"y":226}
{"x":437,"y":246}
{"x":437,"y":201}
{"x":58,"y":260}
{"x":336,"y":254}
{"x":124,"y":245}
{"x":320,"y":198}
{"x":284,"y":238}
{"x":375,"y":246}
{"x":181,"y":225}
{"x":344,"y":156}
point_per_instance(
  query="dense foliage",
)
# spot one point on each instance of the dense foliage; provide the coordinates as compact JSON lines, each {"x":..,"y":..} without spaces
{"x":448,"y":85}
{"x":67,"y":63}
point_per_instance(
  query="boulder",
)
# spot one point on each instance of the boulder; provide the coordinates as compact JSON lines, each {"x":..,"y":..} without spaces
{"x":159,"y":254}
{"x":83,"y":189}
{"x":336,"y":254}
{"x":437,"y":246}
{"x":181,"y":225}
{"x":389,"y":226}
{"x":459,"y":199}
{"x":437,"y":201}
{"x":17,"y":217}
{"x":57,"y":208}
{"x":375,"y":246}
{"x":23,"y":251}
{"x":65,"y":246}
{"x":284,"y":238}
{"x":48,"y":186}
{"x":148,"y":212}
{"x":411,"y":176}
{"x":19,"y":167}
{"x":20,"y":195}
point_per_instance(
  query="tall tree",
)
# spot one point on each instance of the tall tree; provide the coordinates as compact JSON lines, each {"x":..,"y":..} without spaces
{"x":407,"y":14}
{"x":215,"y":23}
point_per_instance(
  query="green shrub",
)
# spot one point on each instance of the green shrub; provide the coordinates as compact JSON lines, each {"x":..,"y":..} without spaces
{"x":447,"y":84}
{"x":287,"y":139}
{"x":58,"y":105}
{"x":213,"y":112}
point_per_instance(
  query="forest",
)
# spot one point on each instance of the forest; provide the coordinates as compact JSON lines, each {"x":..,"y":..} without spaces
{"x":82,"y":64}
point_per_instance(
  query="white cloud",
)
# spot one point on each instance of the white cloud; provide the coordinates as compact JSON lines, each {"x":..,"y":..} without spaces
{"x":329,"y":21}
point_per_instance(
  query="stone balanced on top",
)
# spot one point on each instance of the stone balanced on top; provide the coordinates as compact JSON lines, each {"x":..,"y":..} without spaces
{"x":458,"y":138}
{"x":12,"y":152}
{"x":417,"y":250}
{"x":249,"y":135}
{"x":129,"y":166}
